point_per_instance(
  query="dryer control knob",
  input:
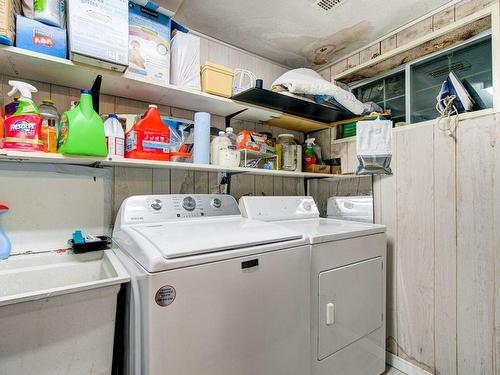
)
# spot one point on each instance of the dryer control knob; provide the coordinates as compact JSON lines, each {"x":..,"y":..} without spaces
{"x":189,"y":204}
{"x":307,"y":206}
{"x":156,"y":205}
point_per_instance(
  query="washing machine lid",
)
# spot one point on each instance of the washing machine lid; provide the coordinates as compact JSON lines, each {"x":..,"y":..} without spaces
{"x":326,"y":230}
{"x":192,"y":237}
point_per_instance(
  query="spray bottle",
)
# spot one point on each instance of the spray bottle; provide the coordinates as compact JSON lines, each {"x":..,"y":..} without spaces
{"x":23,"y":130}
{"x":5,"y":245}
{"x":309,"y":156}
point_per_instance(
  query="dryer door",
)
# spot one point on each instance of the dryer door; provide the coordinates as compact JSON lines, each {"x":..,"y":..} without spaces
{"x":350,"y":304}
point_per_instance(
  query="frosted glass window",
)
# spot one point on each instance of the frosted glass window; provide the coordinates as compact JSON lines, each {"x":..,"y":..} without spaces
{"x":387,"y":92}
{"x":472,"y":64}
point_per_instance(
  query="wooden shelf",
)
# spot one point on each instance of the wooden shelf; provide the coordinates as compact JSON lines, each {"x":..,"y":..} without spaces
{"x":40,"y":157}
{"x":24,"y":64}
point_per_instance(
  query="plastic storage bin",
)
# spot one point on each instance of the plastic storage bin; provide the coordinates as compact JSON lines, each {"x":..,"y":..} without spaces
{"x":216,"y":79}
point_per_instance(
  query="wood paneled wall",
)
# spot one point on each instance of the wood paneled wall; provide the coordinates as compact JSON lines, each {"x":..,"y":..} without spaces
{"x":441,"y":209}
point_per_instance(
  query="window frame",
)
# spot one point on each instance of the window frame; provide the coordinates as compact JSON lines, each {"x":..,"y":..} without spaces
{"x":407,"y":68}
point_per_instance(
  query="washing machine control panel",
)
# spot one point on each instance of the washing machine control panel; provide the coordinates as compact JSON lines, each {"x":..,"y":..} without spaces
{"x":157,"y":208}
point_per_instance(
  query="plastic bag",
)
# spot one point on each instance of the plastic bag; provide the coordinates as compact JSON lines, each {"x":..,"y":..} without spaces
{"x":185,"y":60}
{"x":374,"y":147}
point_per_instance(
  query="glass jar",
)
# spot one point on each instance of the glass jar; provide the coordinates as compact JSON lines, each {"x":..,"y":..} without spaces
{"x":288,"y":152}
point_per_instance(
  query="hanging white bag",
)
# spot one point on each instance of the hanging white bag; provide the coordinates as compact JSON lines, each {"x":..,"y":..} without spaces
{"x":374,"y":147}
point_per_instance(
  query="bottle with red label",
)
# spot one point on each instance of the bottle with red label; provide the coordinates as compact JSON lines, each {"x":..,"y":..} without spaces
{"x":23,"y":129}
{"x":149,"y":138}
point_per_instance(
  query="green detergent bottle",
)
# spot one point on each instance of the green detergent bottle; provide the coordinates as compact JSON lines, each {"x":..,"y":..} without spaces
{"x":82,"y":130}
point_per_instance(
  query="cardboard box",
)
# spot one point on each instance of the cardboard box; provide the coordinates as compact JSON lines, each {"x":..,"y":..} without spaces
{"x":8,"y":11}
{"x":149,"y":44}
{"x":98,"y":33}
{"x":317,"y":168}
{"x":336,"y":169}
{"x":38,"y":37}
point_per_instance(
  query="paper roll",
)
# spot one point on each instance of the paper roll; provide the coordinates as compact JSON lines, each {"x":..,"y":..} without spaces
{"x":201,"y":148}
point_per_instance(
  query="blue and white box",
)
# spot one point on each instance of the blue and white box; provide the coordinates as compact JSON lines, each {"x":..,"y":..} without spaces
{"x":39,"y":37}
{"x":149,"y":43}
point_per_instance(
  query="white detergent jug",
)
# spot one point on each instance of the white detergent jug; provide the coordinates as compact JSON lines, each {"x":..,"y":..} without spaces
{"x":214,"y":148}
{"x":115,"y":137}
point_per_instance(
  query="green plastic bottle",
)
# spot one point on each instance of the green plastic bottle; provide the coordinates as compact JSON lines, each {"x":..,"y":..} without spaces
{"x":82,"y":130}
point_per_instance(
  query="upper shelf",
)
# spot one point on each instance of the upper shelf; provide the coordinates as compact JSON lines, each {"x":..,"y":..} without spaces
{"x":26,"y":64}
{"x":292,"y":106}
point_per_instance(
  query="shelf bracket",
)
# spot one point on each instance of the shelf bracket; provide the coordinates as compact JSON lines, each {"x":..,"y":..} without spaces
{"x":224,"y":181}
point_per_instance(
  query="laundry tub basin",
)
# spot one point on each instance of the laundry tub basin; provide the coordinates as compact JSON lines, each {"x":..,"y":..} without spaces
{"x":57,"y":313}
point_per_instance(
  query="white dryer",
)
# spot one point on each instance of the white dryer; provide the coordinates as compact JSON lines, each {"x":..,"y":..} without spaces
{"x":212,"y":293}
{"x":347,"y":284}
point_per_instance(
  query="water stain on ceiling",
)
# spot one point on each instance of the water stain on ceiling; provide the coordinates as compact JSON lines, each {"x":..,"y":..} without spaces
{"x":300,"y":33}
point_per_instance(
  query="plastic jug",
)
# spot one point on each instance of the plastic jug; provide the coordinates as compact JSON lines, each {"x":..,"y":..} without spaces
{"x":214,"y":147}
{"x":228,"y":154}
{"x":149,"y":138}
{"x":115,"y":137}
{"x":82,"y":130}
{"x":5,"y":245}
{"x":23,"y":129}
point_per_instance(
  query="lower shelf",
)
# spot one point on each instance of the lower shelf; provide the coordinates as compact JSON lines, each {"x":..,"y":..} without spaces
{"x":35,"y":157}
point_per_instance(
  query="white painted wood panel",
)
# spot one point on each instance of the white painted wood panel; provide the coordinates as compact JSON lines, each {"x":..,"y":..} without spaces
{"x":475,"y":242}
{"x":386,"y":212}
{"x":415,"y":244}
{"x":352,"y":158}
{"x":496,"y":222}
{"x":49,"y":202}
{"x":445,"y":227}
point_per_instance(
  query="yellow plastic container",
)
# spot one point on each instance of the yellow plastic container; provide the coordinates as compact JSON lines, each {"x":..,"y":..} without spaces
{"x":216,"y":79}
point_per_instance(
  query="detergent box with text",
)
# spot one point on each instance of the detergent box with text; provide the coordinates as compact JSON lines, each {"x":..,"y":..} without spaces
{"x":98,"y":32}
{"x":39,"y":37}
{"x":149,"y":44}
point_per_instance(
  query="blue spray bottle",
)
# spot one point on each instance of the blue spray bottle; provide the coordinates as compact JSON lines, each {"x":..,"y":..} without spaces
{"x":5,"y":245}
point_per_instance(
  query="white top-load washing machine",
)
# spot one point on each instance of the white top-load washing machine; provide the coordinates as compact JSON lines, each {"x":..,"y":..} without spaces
{"x":347,"y":284}
{"x":212,"y":293}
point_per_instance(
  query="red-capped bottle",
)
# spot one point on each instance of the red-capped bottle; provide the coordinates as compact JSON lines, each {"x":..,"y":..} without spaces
{"x":149,"y":138}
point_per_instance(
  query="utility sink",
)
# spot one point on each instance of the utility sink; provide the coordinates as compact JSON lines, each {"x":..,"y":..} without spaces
{"x":43,"y":275}
{"x":58,"y":312}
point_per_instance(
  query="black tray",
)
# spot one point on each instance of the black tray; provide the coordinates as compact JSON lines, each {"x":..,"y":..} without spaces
{"x":103,"y":244}
{"x":293,"y":106}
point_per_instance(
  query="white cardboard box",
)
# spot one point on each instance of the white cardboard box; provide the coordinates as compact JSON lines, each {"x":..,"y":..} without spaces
{"x":98,"y":32}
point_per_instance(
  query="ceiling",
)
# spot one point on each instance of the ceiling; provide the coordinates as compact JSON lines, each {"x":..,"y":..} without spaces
{"x":300,"y":33}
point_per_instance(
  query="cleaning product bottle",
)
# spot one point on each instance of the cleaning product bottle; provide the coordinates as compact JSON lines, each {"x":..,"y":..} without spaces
{"x":82,"y":130}
{"x":149,"y":138}
{"x":11,"y":108}
{"x":115,"y":137}
{"x":214,"y":147}
{"x":309,"y":156}
{"x":5,"y":245}
{"x":50,"y":124}
{"x":23,"y":129}
{"x":228,"y":154}
{"x":1,"y":130}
